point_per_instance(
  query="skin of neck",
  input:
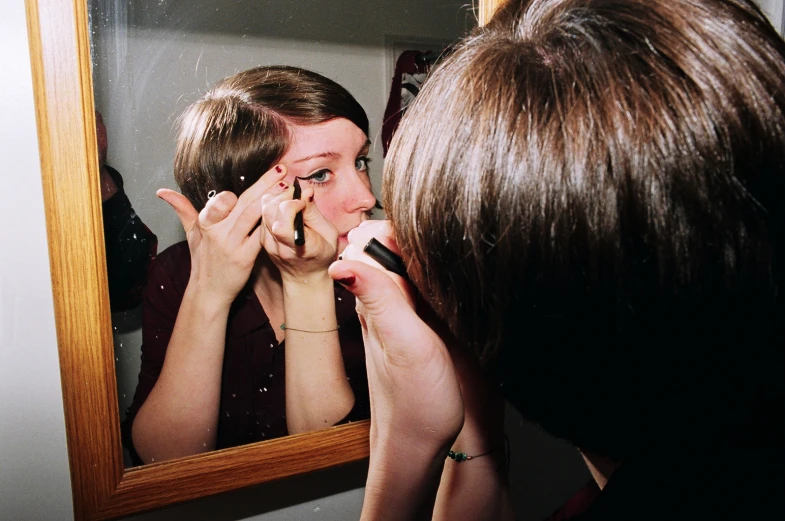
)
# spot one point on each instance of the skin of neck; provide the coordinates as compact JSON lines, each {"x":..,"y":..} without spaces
{"x":267,"y":284}
{"x":601,"y":468}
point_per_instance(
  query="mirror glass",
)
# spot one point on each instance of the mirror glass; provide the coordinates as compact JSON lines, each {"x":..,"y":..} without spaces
{"x":153,"y":58}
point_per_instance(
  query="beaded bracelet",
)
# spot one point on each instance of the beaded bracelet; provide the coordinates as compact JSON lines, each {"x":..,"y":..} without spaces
{"x":460,"y":457}
{"x":284,"y":327}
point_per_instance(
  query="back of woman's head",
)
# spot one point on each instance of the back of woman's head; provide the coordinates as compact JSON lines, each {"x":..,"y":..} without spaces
{"x":592,"y":192}
{"x":240,"y":128}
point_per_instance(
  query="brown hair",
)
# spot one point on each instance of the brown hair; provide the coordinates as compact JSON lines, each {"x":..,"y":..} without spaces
{"x":592,"y":191}
{"x":239,"y":129}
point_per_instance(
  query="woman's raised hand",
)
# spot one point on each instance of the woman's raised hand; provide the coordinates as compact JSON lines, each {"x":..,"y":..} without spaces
{"x":321,"y":237}
{"x":414,"y":390}
{"x":416,"y":405}
{"x":225,"y":237}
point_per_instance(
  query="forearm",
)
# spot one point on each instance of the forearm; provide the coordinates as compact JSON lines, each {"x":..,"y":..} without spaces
{"x":180,"y":416}
{"x":475,"y":489}
{"x":318,"y":394}
{"x":403,"y":479}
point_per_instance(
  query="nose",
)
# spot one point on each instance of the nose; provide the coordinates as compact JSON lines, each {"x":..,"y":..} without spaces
{"x":359,"y":197}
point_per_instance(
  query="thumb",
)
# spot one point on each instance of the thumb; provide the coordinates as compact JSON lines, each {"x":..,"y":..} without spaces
{"x":391,"y":327}
{"x":314,"y":218}
{"x":182,"y":207}
{"x":379,"y":297}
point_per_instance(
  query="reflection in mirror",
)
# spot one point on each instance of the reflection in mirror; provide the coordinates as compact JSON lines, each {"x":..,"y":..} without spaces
{"x":153,"y":59}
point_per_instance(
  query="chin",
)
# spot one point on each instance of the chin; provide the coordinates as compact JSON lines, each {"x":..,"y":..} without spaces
{"x":343,"y":242}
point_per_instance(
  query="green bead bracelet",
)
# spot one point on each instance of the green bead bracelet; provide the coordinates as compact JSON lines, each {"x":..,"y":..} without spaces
{"x":460,"y":457}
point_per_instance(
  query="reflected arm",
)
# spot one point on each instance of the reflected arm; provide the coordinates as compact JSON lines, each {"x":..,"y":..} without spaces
{"x":179,"y":417}
{"x":318,"y":393}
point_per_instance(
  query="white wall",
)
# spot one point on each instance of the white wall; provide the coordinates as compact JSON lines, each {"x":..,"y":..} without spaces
{"x":774,"y":10}
{"x":34,"y":478}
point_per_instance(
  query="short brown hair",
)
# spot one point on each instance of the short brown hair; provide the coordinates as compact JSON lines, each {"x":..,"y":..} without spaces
{"x":239,"y":129}
{"x":589,"y":190}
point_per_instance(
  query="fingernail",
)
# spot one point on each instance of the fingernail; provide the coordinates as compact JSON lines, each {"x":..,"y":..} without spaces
{"x":283,"y":185}
{"x":348,"y":281}
{"x":278,"y":169}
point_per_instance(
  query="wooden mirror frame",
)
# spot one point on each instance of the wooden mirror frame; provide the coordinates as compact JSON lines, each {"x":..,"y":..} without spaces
{"x":102,"y":488}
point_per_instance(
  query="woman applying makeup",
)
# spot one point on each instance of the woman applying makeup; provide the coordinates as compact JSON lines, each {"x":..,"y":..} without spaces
{"x":245,"y":336}
{"x":599,"y":217}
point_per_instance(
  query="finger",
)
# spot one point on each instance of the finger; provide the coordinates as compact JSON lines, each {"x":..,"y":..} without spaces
{"x":379,"y":230}
{"x":384,"y":310}
{"x":374,"y":288}
{"x":283,"y":226}
{"x":217,"y":209}
{"x":314,"y":219}
{"x":253,"y":245}
{"x":354,"y":252}
{"x":182,"y":207}
{"x":270,"y":214}
{"x":383,"y":226}
{"x":251,"y":215}
{"x":271,"y":205}
{"x":263,"y":185}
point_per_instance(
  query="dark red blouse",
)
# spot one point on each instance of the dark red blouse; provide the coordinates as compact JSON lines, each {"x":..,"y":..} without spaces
{"x":252,"y":389}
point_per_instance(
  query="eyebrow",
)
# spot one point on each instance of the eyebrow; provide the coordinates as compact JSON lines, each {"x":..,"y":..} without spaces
{"x":323,"y":154}
{"x":331,"y":154}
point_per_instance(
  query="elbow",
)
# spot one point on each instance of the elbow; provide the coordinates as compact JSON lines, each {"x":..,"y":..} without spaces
{"x":337,"y":413}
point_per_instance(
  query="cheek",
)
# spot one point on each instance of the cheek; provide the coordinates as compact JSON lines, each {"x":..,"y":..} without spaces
{"x":328,"y":208}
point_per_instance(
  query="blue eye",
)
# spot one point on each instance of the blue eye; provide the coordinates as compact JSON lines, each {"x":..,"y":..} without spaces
{"x":361,"y":163}
{"x":320,"y":176}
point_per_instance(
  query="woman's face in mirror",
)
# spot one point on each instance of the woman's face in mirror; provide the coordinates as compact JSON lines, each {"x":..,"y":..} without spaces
{"x":331,"y":157}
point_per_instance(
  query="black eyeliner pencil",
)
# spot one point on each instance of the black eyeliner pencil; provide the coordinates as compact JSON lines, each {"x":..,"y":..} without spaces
{"x":389,"y":260}
{"x":299,"y":231}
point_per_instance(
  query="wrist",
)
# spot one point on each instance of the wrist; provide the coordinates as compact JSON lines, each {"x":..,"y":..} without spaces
{"x":403,"y":480}
{"x":309,"y":304}
{"x":304,"y":285}
{"x":421,"y":450}
{"x":206,"y":303}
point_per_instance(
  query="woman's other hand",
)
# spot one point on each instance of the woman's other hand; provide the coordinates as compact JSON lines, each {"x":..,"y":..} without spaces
{"x":225,"y":238}
{"x":408,"y":358}
{"x":294,"y":262}
{"x":381,"y":231}
{"x":416,"y":405}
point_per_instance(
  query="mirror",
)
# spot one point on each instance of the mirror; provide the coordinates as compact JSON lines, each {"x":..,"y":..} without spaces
{"x":102,"y":487}
{"x":152,"y":59}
